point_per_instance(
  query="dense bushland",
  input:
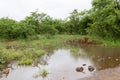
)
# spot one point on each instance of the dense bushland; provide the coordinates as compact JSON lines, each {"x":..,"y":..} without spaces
{"x":102,"y":20}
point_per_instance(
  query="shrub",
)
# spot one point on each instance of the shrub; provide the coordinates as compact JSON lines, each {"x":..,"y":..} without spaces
{"x":6,"y":28}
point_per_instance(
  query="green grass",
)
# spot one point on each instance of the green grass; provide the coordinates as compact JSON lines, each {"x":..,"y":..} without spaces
{"x":39,"y":53}
{"x":27,"y":50}
{"x":109,"y":42}
{"x":112,"y":43}
{"x":25,"y":61}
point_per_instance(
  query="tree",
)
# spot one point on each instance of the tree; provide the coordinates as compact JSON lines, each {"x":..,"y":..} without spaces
{"x":59,"y":26}
{"x":85,"y":21}
{"x":24,"y":30}
{"x":106,"y":18}
{"x":7,"y":26}
{"x":48,"y":26}
{"x":74,"y":19}
{"x":79,"y":22}
{"x":36,"y":19}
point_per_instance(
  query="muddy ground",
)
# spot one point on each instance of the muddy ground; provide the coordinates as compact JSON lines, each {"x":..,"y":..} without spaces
{"x":108,"y":74}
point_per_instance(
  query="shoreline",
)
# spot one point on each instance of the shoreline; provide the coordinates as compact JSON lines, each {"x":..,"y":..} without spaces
{"x":107,"y":74}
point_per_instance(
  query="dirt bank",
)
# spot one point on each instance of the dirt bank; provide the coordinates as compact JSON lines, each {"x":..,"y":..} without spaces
{"x":108,"y":74}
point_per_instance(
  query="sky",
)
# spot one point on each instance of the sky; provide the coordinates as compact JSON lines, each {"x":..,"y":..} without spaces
{"x":19,"y":9}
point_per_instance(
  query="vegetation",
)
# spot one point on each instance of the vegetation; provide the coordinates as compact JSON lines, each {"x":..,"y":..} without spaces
{"x":26,"y":51}
{"x":26,"y":56}
{"x":106,"y":18}
{"x":44,"y":73}
{"x":102,"y":20}
{"x":25,"y":61}
{"x":34,"y":36}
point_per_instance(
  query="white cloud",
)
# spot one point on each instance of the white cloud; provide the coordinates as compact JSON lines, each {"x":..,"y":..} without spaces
{"x":18,"y":9}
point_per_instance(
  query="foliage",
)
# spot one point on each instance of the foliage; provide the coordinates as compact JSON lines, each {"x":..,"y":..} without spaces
{"x":36,"y":23}
{"x":25,"y":61}
{"x":35,"y":19}
{"x":60,"y":26}
{"x":102,"y":20}
{"x":85,"y":22}
{"x":24,"y":30}
{"x":7,"y":27}
{"x":78,"y":22}
{"x":48,"y":29}
{"x":106,"y":18}
{"x":74,"y":22}
{"x":11,"y":29}
{"x":44,"y":73}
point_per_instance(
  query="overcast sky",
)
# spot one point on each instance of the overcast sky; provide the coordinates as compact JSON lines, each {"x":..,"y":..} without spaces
{"x":18,"y":9}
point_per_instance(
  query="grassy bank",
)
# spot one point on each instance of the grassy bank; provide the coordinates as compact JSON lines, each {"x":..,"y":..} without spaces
{"x":27,"y":50}
{"x":109,"y":42}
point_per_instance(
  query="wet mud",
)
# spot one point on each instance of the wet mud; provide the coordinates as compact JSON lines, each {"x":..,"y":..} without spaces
{"x":107,"y":74}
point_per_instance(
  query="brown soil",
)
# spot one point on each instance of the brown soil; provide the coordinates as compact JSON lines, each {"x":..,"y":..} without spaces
{"x":85,"y":41}
{"x":108,"y":74}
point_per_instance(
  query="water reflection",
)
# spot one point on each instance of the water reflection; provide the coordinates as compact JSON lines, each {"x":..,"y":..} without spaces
{"x":104,"y":57}
{"x":62,"y":64}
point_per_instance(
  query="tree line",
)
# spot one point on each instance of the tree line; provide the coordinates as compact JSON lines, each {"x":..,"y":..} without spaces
{"x":102,"y":20}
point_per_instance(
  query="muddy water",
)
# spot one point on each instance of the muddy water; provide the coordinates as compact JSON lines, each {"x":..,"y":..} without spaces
{"x":104,"y":57}
{"x":61,"y":65}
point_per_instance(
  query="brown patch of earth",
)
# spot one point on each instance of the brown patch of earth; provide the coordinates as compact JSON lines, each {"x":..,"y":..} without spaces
{"x":84,"y":42}
{"x":108,"y":74}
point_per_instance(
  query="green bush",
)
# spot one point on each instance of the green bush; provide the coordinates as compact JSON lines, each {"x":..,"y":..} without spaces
{"x":24,"y":30}
{"x":47,"y":29}
{"x":6,"y":28}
